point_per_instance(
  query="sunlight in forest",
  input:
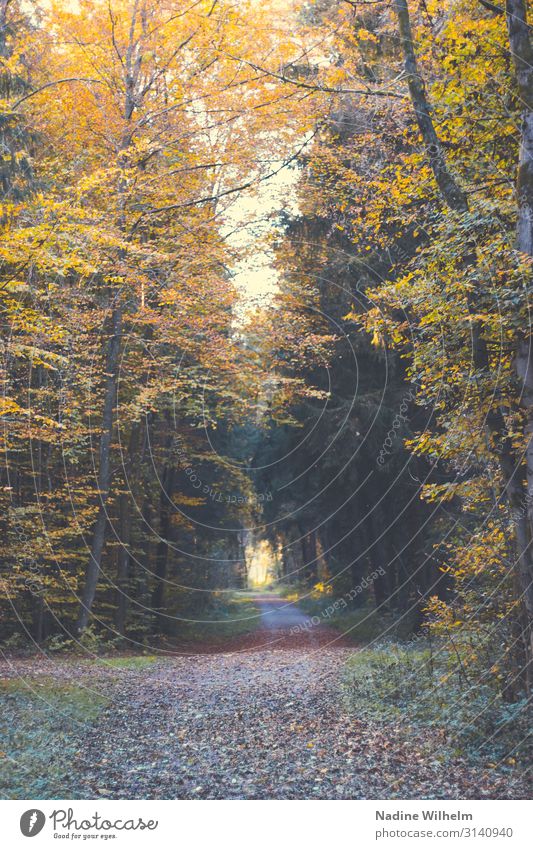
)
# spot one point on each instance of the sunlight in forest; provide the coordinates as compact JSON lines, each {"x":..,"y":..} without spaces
{"x":262,"y":564}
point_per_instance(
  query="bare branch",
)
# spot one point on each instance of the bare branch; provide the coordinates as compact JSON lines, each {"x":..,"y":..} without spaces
{"x":56,"y":82}
{"x":365,"y":92}
{"x":113,"y":40}
{"x":209,"y":199}
{"x":492,"y":7}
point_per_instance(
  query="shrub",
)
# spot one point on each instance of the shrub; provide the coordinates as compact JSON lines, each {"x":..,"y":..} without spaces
{"x":428,"y":686}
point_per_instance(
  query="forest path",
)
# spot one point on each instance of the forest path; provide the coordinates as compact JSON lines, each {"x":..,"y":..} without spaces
{"x":283,"y":623}
{"x":277,"y":613}
{"x":266,"y":720}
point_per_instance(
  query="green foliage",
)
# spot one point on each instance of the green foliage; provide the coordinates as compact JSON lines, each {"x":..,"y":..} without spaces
{"x":425,"y":686}
{"x":41,"y":727}
{"x":92,"y":641}
{"x":368,"y":624}
{"x":228,"y":617}
{"x":362,"y":624}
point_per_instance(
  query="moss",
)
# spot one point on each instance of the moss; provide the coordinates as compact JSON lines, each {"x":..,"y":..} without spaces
{"x":127,"y":662}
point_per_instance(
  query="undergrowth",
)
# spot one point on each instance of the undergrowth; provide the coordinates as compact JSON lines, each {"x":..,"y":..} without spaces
{"x":428,"y":686}
{"x":41,"y":723}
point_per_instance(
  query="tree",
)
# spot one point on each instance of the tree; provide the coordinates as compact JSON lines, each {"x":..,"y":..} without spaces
{"x":123,"y":310}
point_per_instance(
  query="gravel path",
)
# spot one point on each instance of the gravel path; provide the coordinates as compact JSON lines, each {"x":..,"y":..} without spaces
{"x":265,"y":720}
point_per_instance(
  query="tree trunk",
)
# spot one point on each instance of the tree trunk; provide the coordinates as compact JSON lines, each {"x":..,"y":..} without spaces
{"x":522,"y":54}
{"x":309,"y":555}
{"x":380,"y":558}
{"x":161,"y":557}
{"x":143,"y":572}
{"x":38,"y":618}
{"x":104,"y":470}
{"x":449,"y":188}
{"x":123,"y":565}
{"x":456,"y":200}
{"x":132,"y":67}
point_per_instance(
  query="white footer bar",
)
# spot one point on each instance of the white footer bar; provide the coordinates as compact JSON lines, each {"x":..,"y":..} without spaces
{"x":267,"y":824}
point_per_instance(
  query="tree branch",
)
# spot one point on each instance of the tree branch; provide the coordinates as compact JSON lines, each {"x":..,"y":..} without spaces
{"x":318,"y":88}
{"x":56,"y":82}
{"x":492,"y":7}
{"x":226,"y":192}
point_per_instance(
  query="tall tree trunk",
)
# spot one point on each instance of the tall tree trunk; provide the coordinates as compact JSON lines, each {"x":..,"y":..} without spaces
{"x":124,"y":558}
{"x":309,"y":554}
{"x":104,"y":470}
{"x":456,"y":200}
{"x":144,"y":571}
{"x":293,"y":554}
{"x":132,"y":67}
{"x":38,"y":618}
{"x":161,"y":557}
{"x":380,"y":557}
{"x":123,"y":564}
{"x":522,"y":53}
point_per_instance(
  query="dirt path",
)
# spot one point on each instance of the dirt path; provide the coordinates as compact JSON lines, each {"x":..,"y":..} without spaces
{"x":279,"y":615}
{"x":264,"y":720}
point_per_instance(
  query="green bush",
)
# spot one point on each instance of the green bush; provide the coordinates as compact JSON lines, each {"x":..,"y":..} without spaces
{"x":425,"y":686}
{"x":228,"y":616}
{"x":362,"y":623}
{"x":92,"y":641}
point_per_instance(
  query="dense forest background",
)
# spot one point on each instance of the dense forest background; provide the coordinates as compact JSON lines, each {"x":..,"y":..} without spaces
{"x":369,"y":425}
